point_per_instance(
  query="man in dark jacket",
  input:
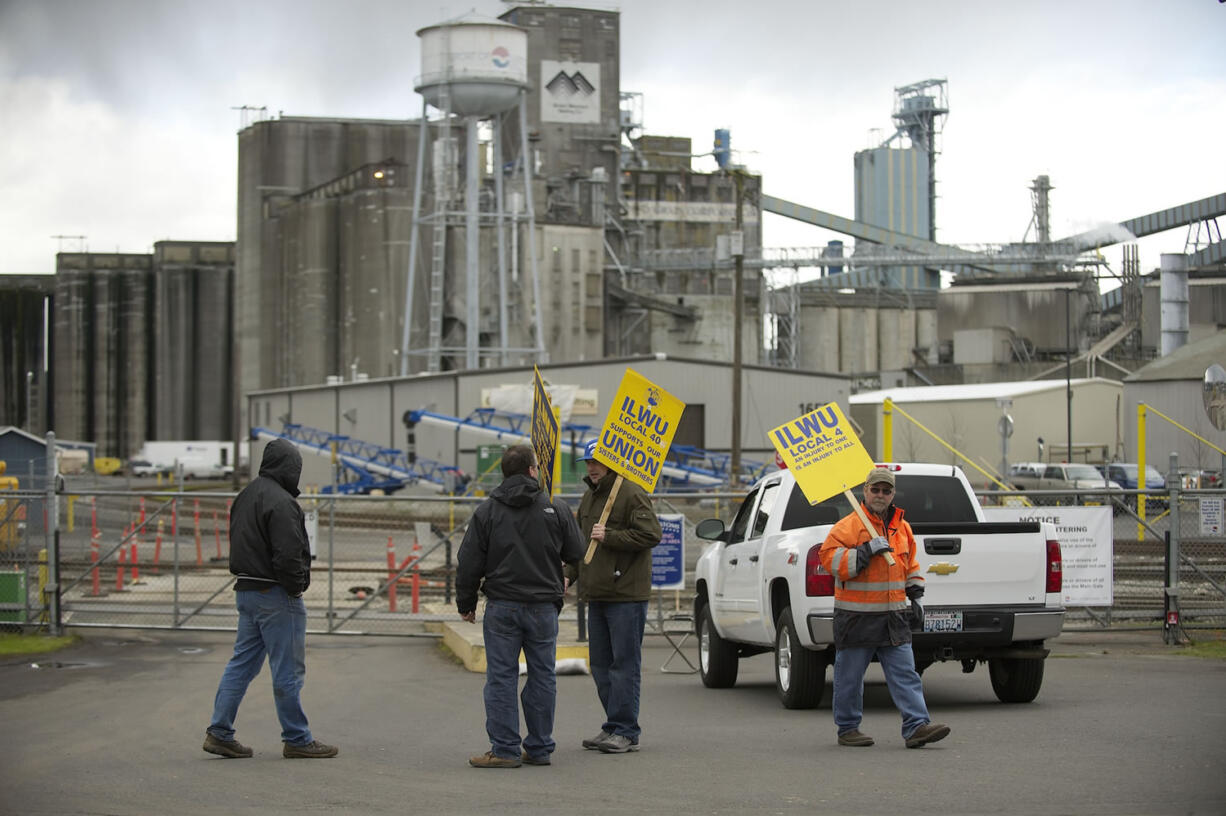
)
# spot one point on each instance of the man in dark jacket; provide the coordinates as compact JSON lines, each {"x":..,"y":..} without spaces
{"x":616,"y":587}
{"x":271,"y":558}
{"x":516,"y":541}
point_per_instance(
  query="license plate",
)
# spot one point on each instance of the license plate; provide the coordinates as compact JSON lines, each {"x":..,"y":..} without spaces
{"x":943,"y":621}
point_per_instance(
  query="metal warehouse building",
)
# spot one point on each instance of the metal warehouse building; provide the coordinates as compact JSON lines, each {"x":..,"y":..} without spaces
{"x":372,"y":410}
{"x":968,"y":418}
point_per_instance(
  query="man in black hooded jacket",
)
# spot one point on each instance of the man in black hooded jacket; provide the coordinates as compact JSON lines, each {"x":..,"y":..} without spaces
{"x":271,"y":557}
{"x":512,"y":552}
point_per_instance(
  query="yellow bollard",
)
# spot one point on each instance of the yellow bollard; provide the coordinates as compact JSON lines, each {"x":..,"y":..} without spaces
{"x":887,"y":430}
{"x":1140,"y":469}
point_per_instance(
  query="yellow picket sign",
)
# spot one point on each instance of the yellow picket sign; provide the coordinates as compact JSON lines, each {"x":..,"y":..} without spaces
{"x":637,"y":433}
{"x":825,"y":457}
{"x":546,"y":423}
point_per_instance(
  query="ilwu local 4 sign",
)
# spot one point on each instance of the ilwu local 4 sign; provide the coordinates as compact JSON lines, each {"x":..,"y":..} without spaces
{"x":639,"y":429}
{"x":823,"y":453}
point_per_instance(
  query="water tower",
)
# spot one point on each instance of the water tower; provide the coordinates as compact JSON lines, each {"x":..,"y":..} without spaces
{"x":475,"y":68}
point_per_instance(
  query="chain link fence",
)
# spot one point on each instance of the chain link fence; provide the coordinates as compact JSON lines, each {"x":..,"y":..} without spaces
{"x":385,"y":565}
{"x":1184,"y":524}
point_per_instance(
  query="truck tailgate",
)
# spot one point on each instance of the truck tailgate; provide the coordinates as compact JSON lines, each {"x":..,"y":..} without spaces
{"x":982,"y":564}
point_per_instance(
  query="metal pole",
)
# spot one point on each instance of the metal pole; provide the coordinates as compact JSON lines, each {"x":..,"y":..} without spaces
{"x":472,"y":248}
{"x":174,"y":534}
{"x":1172,"y":552}
{"x":738,"y":303}
{"x":1068,"y":370}
{"x":500,"y":226}
{"x":336,"y":468}
{"x":413,"y":238}
{"x":525,"y":151}
{"x":52,"y":532}
{"x":30,"y":401}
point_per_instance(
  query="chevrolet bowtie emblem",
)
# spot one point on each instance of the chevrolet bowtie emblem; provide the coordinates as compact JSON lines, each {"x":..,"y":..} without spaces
{"x":943,"y":568}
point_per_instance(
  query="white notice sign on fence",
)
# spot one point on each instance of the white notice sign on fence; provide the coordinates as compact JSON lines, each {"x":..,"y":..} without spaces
{"x":1086,"y":548}
{"x":1211,"y":516}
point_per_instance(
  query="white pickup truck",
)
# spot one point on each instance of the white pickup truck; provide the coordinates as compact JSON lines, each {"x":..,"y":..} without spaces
{"x":992,"y":589}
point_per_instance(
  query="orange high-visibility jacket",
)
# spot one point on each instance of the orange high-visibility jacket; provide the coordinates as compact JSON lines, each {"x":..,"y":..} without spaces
{"x":879,"y":587}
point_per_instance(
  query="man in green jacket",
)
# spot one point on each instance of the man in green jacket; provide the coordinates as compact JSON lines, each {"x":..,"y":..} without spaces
{"x":616,"y":586}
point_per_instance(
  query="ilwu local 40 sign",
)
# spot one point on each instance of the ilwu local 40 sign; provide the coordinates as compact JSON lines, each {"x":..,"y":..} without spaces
{"x":638,"y":430}
{"x":823,"y":453}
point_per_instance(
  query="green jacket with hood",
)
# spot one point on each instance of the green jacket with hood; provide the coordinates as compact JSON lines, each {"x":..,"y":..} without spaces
{"x":621,"y":568}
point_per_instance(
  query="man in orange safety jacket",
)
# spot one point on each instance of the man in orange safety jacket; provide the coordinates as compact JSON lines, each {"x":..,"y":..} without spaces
{"x":873,"y":604}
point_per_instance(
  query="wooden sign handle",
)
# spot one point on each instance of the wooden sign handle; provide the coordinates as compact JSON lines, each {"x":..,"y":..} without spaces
{"x":868,"y":525}
{"x":604,"y":516}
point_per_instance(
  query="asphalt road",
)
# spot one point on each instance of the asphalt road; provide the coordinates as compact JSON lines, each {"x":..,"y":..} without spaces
{"x":1121,"y":727}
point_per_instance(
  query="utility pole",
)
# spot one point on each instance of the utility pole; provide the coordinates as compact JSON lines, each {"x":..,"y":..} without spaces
{"x":737,"y":246}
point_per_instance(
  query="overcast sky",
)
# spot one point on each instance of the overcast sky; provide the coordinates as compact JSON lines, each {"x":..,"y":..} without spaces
{"x":117,"y":120}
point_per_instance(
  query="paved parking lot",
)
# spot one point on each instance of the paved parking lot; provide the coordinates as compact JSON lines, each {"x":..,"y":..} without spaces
{"x":1121,"y":727}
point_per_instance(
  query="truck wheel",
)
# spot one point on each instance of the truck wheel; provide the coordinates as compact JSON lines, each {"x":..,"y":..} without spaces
{"x":800,"y":673}
{"x":717,"y":658}
{"x":1016,"y":679}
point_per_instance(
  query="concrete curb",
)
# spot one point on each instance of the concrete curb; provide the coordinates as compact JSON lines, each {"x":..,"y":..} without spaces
{"x":467,"y":643}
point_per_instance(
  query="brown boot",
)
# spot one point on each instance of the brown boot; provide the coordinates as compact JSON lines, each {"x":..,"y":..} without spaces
{"x":855,"y":739}
{"x":926,"y":733}
{"x":490,"y":760}
{"x":230,"y":749}
{"x":312,"y":750}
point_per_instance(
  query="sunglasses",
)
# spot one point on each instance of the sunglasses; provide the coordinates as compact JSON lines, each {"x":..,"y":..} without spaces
{"x":884,"y":491}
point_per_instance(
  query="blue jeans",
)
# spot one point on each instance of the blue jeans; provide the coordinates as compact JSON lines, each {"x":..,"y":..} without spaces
{"x":508,"y":627}
{"x":906,"y":688}
{"x":615,"y":650}
{"x":269,"y":622}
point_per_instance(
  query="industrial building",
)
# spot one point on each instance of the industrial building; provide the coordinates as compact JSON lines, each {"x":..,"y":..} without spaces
{"x":373,"y":411}
{"x":141,"y":345}
{"x":526,"y":216}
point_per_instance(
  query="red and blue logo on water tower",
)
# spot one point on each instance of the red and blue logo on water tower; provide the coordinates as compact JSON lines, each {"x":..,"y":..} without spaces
{"x":501,"y":57}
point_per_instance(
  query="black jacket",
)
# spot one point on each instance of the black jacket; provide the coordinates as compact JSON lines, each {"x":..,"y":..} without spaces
{"x":268,"y":539}
{"x":516,"y":541}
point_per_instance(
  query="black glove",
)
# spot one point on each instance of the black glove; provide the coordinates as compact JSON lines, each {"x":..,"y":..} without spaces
{"x":872,"y":547}
{"x":915,"y":592}
{"x":917,"y":614}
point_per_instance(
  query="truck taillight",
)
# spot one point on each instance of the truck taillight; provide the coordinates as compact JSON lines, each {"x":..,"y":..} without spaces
{"x":1055,"y":571}
{"x":818,"y":582}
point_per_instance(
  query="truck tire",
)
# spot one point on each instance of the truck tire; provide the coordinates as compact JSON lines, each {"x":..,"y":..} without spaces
{"x":717,"y":658}
{"x":1016,"y":679}
{"x":800,"y":673}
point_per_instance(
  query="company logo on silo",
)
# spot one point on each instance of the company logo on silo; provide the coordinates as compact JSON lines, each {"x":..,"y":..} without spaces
{"x":570,"y":84}
{"x":501,"y":57}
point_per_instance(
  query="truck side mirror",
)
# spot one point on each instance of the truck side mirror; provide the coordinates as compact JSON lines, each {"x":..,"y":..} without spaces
{"x":711,"y":529}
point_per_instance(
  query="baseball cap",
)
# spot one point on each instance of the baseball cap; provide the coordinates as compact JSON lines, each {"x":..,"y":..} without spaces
{"x":880,"y":474}
{"x":589,"y":451}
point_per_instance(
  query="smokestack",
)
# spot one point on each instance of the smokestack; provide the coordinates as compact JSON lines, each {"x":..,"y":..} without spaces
{"x":1174,"y":293}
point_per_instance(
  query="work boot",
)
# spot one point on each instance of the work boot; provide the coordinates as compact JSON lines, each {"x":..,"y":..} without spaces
{"x":490,"y":760}
{"x":617,"y":744}
{"x":594,"y":743}
{"x":230,"y":749}
{"x":312,"y":750}
{"x":926,"y":733}
{"x":855,"y":739}
{"x":543,"y":759}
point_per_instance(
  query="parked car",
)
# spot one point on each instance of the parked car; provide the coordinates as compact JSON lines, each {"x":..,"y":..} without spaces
{"x":1073,"y":477}
{"x":1127,"y":475}
{"x":143,"y":468}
